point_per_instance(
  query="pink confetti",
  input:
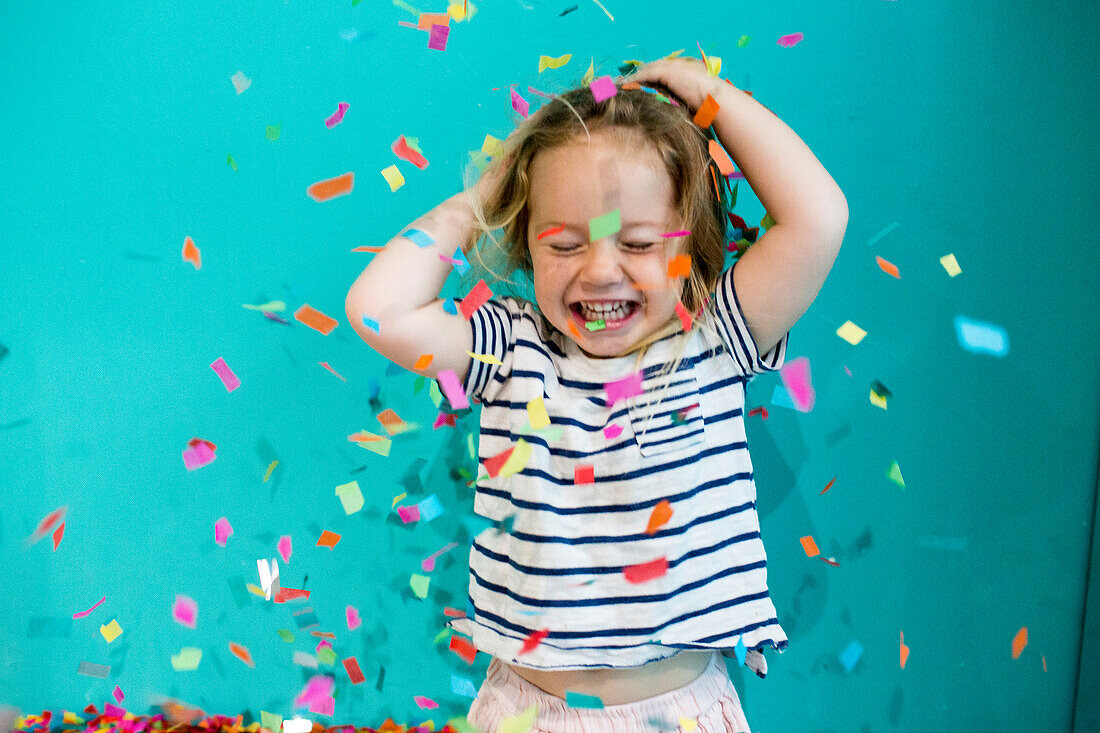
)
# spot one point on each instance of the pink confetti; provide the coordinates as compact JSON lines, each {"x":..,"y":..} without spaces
{"x":438,"y":38}
{"x":113,"y":711}
{"x":82,"y":614}
{"x":623,"y":388}
{"x":336,"y":117}
{"x":284,"y":548}
{"x":452,"y":388}
{"x":428,"y":563}
{"x":229,"y":379}
{"x":323,"y":705}
{"x":789,"y":40}
{"x":318,"y":688}
{"x":519,"y":104}
{"x":425,"y":703}
{"x":117,"y":692}
{"x":409,"y":514}
{"x":198,"y":456}
{"x":185,"y":611}
{"x":222,"y":531}
{"x":603,"y":88}
{"x":796,"y":378}
{"x":681,"y":233}
{"x":612,"y":431}
{"x":353,"y":618}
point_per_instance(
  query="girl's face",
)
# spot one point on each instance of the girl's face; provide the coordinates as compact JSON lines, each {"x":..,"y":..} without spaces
{"x":621,"y":278}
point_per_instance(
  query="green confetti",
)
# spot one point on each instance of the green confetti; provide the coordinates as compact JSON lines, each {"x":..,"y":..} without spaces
{"x":742,"y":41}
{"x":767,"y":222}
{"x":273,"y":131}
{"x":442,"y":636}
{"x":286,"y":636}
{"x":419,"y":585}
{"x":326,"y":656}
{"x":605,"y":225}
{"x":894,"y":474}
{"x":435,"y":394}
{"x":595,"y":325}
{"x":232,"y":163}
{"x":271,"y":721}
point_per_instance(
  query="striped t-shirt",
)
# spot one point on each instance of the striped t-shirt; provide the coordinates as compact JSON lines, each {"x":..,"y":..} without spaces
{"x":553,"y":564}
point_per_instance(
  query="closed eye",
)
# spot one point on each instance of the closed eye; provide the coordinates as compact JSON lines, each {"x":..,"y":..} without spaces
{"x":639,"y":246}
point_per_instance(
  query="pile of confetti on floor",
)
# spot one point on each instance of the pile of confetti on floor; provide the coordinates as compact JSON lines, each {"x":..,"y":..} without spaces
{"x":116,"y":720}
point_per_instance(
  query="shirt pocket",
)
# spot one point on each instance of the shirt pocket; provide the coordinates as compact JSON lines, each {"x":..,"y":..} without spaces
{"x":668,"y":416}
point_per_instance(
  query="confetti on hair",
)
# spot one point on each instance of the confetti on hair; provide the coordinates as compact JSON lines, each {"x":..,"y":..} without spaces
{"x":679,"y":266}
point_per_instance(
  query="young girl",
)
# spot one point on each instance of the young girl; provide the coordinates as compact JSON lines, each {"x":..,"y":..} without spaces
{"x":626,"y":554}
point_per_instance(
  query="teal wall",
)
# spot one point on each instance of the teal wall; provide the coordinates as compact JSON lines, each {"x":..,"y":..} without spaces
{"x":969,"y":125}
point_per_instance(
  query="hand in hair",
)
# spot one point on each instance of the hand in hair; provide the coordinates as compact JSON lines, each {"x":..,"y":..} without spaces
{"x":687,"y":78}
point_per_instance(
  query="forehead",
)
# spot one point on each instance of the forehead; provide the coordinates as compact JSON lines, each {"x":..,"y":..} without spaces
{"x":614,"y":171}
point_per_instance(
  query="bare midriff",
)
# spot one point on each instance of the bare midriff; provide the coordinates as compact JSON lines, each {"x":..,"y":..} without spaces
{"x":622,"y":685}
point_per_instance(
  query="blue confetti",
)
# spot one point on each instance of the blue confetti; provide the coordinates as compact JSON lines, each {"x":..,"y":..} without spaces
{"x":850,"y":656}
{"x":578,"y":700}
{"x":421,"y":239}
{"x":463,"y":263}
{"x":372,"y":324}
{"x":450,"y":307}
{"x":462,"y":686}
{"x":782,"y":398}
{"x":740,"y":650}
{"x":430,"y":508}
{"x":979,"y":337}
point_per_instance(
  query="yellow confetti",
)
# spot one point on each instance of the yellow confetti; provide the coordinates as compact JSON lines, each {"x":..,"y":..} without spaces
{"x":492,"y":146}
{"x":688,"y":724}
{"x":370,"y":441}
{"x":714,"y":65}
{"x":851,"y":333}
{"x":878,"y":400}
{"x":457,"y":11}
{"x":351,"y":496}
{"x":520,"y":723}
{"x":590,"y":74}
{"x":111,"y":631}
{"x":398,"y":498}
{"x":536,"y":413}
{"x":517,"y":460}
{"x":270,"y":468}
{"x":275,"y":306}
{"x":487,"y":358}
{"x":256,"y":590}
{"x":393,"y":177}
{"x":951,"y":265}
{"x":548,"y":62}
{"x":187,"y":660}
{"x":71,"y":718}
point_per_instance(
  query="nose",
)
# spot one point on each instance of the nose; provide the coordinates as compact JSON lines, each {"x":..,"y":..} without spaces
{"x":602,"y":266}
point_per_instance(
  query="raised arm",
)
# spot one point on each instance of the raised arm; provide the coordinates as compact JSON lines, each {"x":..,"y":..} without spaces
{"x":400,"y":290}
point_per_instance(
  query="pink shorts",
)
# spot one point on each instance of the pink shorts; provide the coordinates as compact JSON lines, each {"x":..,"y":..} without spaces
{"x":711,"y":701}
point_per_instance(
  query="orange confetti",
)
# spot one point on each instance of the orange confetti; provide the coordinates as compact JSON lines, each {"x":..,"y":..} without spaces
{"x":1019,"y":642}
{"x":660,"y":516}
{"x":631,"y":85}
{"x":427,"y":20}
{"x":707,"y":112}
{"x":828,"y":486}
{"x":888,"y":267}
{"x":391,"y":421}
{"x":809,"y":546}
{"x":423,"y":361}
{"x":679,"y":266}
{"x":330,"y":188}
{"x":323,"y":635}
{"x":328,"y":539}
{"x":191,"y":253}
{"x":721,"y":157}
{"x":685,"y":317}
{"x":241,"y":653}
{"x":1044,"y":656}
{"x":904,"y":651}
{"x":369,"y":248}
{"x":315,"y":319}
{"x":573,"y":328}
{"x":58,"y":534}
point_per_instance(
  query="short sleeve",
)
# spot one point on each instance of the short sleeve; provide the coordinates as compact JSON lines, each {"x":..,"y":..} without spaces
{"x":735,"y":333}
{"x":492,"y":326}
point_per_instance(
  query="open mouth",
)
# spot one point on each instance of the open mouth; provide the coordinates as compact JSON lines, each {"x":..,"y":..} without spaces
{"x":611,"y":313}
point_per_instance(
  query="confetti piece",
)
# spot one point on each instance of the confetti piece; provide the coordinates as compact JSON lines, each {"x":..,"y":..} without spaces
{"x":721,"y":158}
{"x":403,"y":150}
{"x":191,"y":253}
{"x":646,"y":571}
{"x":740,"y":651}
{"x":851,"y":333}
{"x":679,"y":266}
{"x":351,"y":666}
{"x":894,"y":474}
{"x":425,"y":703}
{"x":604,"y":225}
{"x":476,"y":298}
{"x":351,"y":497}
{"x":197,"y":456}
{"x":548,"y":62}
{"x":486,"y":358}
{"x":612,"y":431}
{"x":328,"y":539}
{"x":463,"y":648}
{"x":621,"y":389}
{"x":284,"y":548}
{"x":230,"y":162}
{"x":338,"y":116}
{"x":409,"y":514}
{"x":519,"y":104}
{"x":580,"y":700}
{"x":595,"y":325}
{"x":270,"y":722}
{"x":273,"y":131}
{"x":851,"y":655}
{"x":297,"y":725}
{"x":789,"y":40}
{"x":550,"y":231}
{"x":285,"y":635}
{"x":419,"y":584}
{"x":428,"y":563}
{"x":517,"y":459}
{"x":82,"y":614}
{"x":979,"y":337}
{"x":427,"y":20}
{"x":229,"y":379}
{"x":422,"y":361}
{"x":315,"y":319}
{"x":689,"y":725}
{"x":240,"y":81}
{"x":452,"y":388}
{"x":462,"y":686}
{"x":111,"y":631}
{"x":519,"y":723}
{"x":888,"y":267}
{"x":89,"y":669}
{"x":57,"y":535}
{"x":951,"y":265}
{"x":706,"y":113}
{"x":809,"y":546}
{"x":289,"y":594}
{"x":222,"y":531}
{"x":603,"y":88}
{"x":685,"y":316}
{"x":673,"y":235}
{"x":584,"y":474}
{"x":660,"y":516}
{"x":317,"y":688}
{"x":536,"y":413}
{"x":331,"y":188}
{"x":437,"y":38}
{"x":904,"y":651}
{"x":828,"y":486}
{"x":393,"y":177}
{"x":241,"y":653}
{"x":1019,"y":642}
{"x":372,"y":324}
{"x":187,"y":660}
{"x":795,"y":375}
{"x":430,"y":508}
{"x":117,"y":694}
{"x":185,"y":611}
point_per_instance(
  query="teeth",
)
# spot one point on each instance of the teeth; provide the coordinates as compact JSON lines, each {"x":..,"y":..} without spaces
{"x":605,"y":311}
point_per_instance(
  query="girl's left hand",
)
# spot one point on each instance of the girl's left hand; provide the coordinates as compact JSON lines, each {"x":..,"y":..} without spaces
{"x":685,"y":77}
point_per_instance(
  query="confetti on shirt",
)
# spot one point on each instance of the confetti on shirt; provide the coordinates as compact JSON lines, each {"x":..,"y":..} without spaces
{"x":624,"y":388}
{"x":331,"y":188}
{"x":585,"y":474}
{"x":646,"y":571}
{"x":659,"y":517}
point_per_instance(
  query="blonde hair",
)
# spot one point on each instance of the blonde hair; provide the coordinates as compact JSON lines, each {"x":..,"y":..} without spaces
{"x":632,"y":115}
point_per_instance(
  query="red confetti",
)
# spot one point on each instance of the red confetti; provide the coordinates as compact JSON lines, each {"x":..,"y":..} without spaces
{"x":402,"y":150}
{"x":646,"y":571}
{"x":288,"y":594}
{"x":584,"y":474}
{"x":759,"y":410}
{"x":551,"y":230}
{"x":493,"y":464}
{"x":351,"y":666}
{"x":533,"y":640}
{"x":685,"y":317}
{"x":828,"y":486}
{"x":58,"y":534}
{"x":463,"y":649}
{"x":475,"y":299}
